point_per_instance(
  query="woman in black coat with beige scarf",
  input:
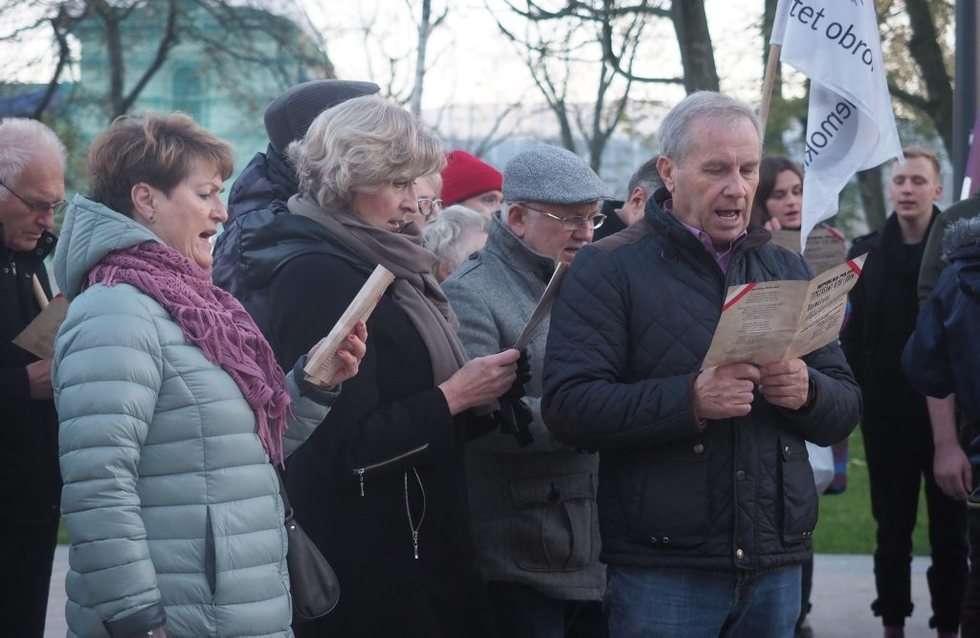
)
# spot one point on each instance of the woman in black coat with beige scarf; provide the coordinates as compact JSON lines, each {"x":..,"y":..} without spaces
{"x":380,"y":487}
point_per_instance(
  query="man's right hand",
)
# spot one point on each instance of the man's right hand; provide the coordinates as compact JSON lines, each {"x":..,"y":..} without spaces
{"x":726,"y":391}
{"x":953,"y":472}
{"x":480,"y":381}
{"x":39,"y":379}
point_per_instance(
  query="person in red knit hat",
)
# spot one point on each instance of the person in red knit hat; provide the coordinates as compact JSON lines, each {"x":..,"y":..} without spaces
{"x":472,"y":183}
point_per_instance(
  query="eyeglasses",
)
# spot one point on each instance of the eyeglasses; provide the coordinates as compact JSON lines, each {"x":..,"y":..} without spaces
{"x":428,"y":206}
{"x":572,"y":223}
{"x":37,"y":207}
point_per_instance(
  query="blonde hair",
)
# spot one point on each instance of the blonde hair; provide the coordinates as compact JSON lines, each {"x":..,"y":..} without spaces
{"x":911,"y":152}
{"x":359,"y":144}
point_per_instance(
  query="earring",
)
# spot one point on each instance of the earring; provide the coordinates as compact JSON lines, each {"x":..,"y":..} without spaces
{"x":152,"y":218}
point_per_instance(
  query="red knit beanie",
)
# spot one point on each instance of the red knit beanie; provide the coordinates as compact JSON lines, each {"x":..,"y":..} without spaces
{"x":466,"y":176}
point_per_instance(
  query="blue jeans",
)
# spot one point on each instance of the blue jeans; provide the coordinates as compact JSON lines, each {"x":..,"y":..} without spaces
{"x":662,"y":602}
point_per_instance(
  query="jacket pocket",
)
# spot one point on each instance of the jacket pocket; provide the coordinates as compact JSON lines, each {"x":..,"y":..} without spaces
{"x":670,"y":498}
{"x":553,"y":524}
{"x":209,"y":549}
{"x":400,"y":460}
{"x":799,"y":493}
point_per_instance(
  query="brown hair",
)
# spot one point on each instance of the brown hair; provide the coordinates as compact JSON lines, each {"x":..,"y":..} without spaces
{"x":157,"y":149}
{"x":911,"y":152}
{"x":769,"y":170}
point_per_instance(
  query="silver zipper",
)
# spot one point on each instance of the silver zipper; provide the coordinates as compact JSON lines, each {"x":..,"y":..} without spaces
{"x":359,"y":472}
{"x":415,"y":529}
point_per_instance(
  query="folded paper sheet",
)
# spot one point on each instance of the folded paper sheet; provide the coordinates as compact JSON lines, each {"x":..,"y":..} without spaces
{"x":826,"y":247}
{"x":323,"y":363}
{"x":38,"y":337}
{"x":779,"y":320}
{"x":543,"y":308}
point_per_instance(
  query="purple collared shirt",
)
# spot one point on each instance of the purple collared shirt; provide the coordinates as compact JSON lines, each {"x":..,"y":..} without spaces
{"x":722,"y":258}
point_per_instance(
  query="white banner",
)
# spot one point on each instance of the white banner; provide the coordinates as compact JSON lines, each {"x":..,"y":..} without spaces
{"x":850,"y":122}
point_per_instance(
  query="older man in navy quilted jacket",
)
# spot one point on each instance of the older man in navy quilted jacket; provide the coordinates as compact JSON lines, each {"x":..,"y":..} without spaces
{"x":706,"y":498}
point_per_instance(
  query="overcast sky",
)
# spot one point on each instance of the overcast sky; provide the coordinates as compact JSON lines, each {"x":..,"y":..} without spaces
{"x":471,"y":62}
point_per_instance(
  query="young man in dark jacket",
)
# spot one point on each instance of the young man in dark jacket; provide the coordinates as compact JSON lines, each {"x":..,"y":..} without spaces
{"x":266,"y":184}
{"x":706,"y":497}
{"x":32,"y":186}
{"x":896,"y":429}
{"x":532,"y":501}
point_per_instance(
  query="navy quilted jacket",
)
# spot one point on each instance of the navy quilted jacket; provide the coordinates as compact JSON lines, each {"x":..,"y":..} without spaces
{"x":629,"y":330}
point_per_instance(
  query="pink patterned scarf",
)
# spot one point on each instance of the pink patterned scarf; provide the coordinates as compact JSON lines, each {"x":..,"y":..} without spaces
{"x":212,"y":320}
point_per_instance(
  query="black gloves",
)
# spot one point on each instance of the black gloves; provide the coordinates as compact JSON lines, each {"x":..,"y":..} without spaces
{"x":514,"y":416}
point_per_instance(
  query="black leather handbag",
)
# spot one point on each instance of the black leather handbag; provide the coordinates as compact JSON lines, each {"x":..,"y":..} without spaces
{"x":313,"y":583}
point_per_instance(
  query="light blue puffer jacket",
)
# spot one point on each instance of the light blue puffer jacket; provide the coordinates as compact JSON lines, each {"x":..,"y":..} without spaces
{"x":169,"y":498}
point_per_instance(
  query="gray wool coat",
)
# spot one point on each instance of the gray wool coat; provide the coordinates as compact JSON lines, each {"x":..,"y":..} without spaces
{"x":169,"y":498}
{"x":532,"y":509}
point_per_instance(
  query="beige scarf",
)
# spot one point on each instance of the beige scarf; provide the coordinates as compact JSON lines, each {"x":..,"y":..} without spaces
{"x":415,"y":289}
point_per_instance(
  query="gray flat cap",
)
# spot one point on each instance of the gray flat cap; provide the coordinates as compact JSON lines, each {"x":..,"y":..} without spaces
{"x":552,"y":175}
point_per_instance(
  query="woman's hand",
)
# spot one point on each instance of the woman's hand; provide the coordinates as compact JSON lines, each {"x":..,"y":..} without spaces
{"x":349,"y":355}
{"x":480,"y":381}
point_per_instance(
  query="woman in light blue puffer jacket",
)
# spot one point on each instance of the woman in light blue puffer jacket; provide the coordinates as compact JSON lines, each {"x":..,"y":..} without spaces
{"x":170,"y":403}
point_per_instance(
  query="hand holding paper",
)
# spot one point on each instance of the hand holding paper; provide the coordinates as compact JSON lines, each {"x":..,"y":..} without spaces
{"x":324,"y":362}
{"x":785,"y":383}
{"x":347,"y":357}
{"x":725,"y":392}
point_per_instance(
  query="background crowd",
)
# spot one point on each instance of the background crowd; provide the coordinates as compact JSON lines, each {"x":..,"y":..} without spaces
{"x":595,"y":482}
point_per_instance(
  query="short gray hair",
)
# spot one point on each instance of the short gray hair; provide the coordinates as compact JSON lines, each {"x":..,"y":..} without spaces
{"x":444,"y":235}
{"x":677,"y":127}
{"x":362,"y":143}
{"x":21,"y":140}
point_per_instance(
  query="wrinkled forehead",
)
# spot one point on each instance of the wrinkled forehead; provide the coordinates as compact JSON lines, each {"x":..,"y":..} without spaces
{"x":723,"y":138}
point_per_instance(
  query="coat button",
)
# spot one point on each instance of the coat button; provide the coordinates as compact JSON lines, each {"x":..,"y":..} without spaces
{"x":740,"y":475}
{"x":739,"y":554}
{"x":699,"y":448}
{"x":666,"y":540}
{"x":653,"y":540}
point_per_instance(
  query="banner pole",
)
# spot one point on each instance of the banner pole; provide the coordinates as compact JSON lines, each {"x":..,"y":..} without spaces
{"x":772,"y":68}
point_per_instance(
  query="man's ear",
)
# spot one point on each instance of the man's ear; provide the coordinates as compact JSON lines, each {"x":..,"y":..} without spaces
{"x":144,"y":202}
{"x":939,"y":192}
{"x":638,"y":197}
{"x":666,"y":168}
{"x":517,"y":219}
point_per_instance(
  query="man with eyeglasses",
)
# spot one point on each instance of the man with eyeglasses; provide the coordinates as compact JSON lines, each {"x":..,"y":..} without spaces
{"x":706,"y":499}
{"x":32,"y":190}
{"x":532,"y":499}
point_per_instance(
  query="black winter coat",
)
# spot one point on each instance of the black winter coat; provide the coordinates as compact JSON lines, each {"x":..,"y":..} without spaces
{"x":388,"y":452}
{"x":257,"y":196}
{"x":30,"y":482}
{"x":629,"y":331}
{"x":884,"y":306}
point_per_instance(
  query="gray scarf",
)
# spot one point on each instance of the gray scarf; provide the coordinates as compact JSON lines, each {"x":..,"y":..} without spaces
{"x":415,"y":289}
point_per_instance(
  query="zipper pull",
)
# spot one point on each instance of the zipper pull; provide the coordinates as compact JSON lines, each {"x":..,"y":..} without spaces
{"x":360,"y":476}
{"x":415,"y":543}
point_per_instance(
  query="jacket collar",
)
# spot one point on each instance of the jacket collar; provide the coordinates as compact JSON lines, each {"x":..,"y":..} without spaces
{"x":510,"y":249}
{"x":44,"y":247}
{"x":681,"y":237}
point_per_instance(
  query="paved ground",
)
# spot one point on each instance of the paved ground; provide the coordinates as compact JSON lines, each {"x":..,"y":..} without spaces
{"x":843,"y":588}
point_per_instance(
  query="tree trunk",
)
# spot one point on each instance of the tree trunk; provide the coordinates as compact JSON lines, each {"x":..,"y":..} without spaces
{"x":694,"y":40}
{"x":928,"y":55}
{"x":114,"y":50}
{"x":423,"y":43}
{"x":873,"y":197}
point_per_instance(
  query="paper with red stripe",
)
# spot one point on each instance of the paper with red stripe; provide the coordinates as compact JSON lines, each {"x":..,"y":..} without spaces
{"x":767,"y":321}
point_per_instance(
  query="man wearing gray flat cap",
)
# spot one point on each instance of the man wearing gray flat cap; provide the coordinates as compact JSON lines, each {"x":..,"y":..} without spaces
{"x":532,"y":499}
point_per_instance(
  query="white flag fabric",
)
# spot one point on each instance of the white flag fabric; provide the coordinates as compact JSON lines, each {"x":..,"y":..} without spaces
{"x":850,"y":122}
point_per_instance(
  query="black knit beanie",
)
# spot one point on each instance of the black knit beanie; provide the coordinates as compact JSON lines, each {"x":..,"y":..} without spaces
{"x":290,"y":114}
